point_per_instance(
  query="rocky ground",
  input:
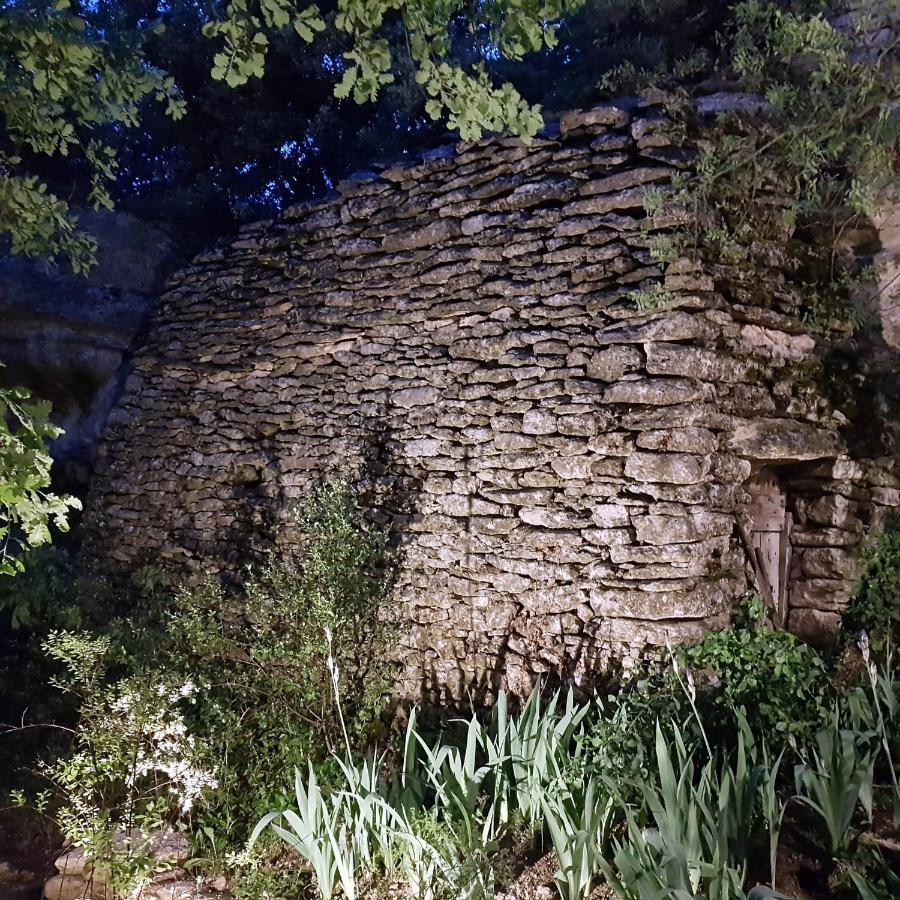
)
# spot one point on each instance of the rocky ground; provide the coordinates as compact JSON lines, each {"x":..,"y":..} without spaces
{"x":27,"y":848}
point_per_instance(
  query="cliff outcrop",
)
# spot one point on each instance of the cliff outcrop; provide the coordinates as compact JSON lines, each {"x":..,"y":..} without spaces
{"x":66,"y":337}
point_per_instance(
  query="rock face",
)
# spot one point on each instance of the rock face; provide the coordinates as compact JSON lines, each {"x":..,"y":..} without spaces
{"x":564,"y":469}
{"x":66,"y":336}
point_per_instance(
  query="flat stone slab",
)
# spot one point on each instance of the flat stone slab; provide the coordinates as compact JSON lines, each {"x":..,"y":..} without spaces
{"x":783,"y":440}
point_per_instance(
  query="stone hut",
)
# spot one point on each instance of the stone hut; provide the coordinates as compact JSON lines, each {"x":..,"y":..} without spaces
{"x":577,"y":480}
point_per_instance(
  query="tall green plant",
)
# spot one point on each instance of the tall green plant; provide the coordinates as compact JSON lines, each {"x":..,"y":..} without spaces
{"x":836,"y":781}
{"x":456,"y":776}
{"x":579,"y":821}
{"x":320,"y":830}
{"x":875,"y":607}
{"x":438,"y":818}
{"x":773,"y":808}
{"x":531,"y":751}
{"x":699,"y":836}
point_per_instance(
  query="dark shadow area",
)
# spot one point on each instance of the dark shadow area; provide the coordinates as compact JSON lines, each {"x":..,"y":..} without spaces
{"x":860,"y":377}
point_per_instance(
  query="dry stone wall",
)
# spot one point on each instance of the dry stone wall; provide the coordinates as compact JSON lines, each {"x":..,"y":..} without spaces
{"x":565,"y":471}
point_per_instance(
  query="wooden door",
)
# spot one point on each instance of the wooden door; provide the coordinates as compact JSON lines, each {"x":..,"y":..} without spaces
{"x":770,"y":539}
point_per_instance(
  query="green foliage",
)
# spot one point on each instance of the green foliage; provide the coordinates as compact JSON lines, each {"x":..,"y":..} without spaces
{"x":615,"y":742}
{"x":61,"y":85}
{"x":874,"y":879}
{"x":629,"y":78}
{"x":701,"y":830}
{"x":438,"y":820}
{"x":223,"y":696}
{"x":437,"y":863}
{"x":324,"y":833}
{"x":835,"y":99}
{"x":698,"y":815}
{"x":781,"y":683}
{"x":772,"y":805}
{"x":40,"y":598}
{"x":691,"y":825}
{"x":457,"y":777}
{"x":27,"y":507}
{"x":874,"y":707}
{"x":811,"y":150}
{"x":244,"y":154}
{"x":467,"y":95}
{"x":746,"y":672}
{"x":685,"y":815}
{"x":306,"y":630}
{"x":653,"y":298}
{"x":256,"y":881}
{"x":243,"y":33}
{"x":532,"y":752}
{"x":828,"y":304}
{"x":578,"y":821}
{"x":682,"y":809}
{"x":875,"y":606}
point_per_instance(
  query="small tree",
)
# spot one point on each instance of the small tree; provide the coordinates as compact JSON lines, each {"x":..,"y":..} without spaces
{"x":27,"y":507}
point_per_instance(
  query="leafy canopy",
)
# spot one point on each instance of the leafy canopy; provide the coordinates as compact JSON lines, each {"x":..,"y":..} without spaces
{"x":62,"y":84}
{"x":74,"y":79}
{"x":506,"y":29}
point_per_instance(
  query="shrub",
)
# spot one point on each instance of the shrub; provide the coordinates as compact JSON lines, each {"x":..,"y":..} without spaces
{"x":271,"y":660}
{"x":244,"y":685}
{"x":41,"y":598}
{"x":33,"y":604}
{"x":781,"y":683}
{"x":616,"y":743}
{"x":771,"y":678}
{"x":131,"y":770}
{"x":875,"y":607}
{"x":255,"y":881}
{"x":27,"y":505}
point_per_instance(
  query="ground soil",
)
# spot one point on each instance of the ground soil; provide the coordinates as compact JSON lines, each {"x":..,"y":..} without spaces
{"x":27,"y":851}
